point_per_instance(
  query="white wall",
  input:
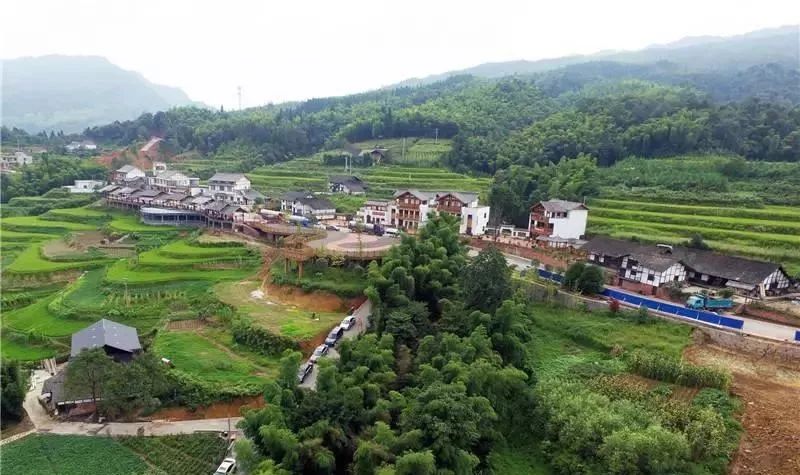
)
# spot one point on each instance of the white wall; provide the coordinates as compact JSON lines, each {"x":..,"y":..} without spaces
{"x":571,"y":227}
{"x":480,"y":219}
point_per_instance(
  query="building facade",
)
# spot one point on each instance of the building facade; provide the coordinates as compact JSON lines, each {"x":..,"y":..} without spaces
{"x":558,"y":218}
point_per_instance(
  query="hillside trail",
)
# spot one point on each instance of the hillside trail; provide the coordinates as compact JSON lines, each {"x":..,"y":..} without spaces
{"x":769,"y":393}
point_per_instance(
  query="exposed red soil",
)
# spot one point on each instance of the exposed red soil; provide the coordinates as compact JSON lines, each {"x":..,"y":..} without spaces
{"x":312,"y":301}
{"x":217,"y":410}
{"x":770,"y":394}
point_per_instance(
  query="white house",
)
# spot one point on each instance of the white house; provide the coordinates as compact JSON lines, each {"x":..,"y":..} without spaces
{"x":85,"y":186}
{"x":83,"y":145}
{"x":127,"y":173}
{"x":310,"y":206}
{"x":558,"y":218}
{"x":171,"y":180}
{"x":228,"y":183}
{"x":474,"y":220}
{"x":374,"y":212}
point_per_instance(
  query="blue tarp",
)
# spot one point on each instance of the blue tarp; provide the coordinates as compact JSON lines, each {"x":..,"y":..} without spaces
{"x":797,"y":335}
{"x":701,"y":315}
{"x":546,"y":274}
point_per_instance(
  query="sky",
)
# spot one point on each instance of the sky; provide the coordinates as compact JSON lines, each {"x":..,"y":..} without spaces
{"x":298,"y":49}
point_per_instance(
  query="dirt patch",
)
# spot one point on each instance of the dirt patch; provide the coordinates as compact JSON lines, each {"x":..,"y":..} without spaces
{"x":80,"y":243}
{"x":19,"y":428}
{"x":217,"y":410}
{"x":769,"y":393}
{"x":312,"y":301}
{"x":185,"y":325}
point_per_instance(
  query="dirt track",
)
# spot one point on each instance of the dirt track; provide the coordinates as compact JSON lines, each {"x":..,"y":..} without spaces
{"x":771,"y":418}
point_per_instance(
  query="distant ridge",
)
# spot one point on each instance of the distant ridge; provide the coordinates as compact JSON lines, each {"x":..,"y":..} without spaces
{"x":697,"y":54}
{"x":70,"y":93}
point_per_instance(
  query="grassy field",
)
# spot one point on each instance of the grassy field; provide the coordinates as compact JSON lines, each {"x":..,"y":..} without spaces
{"x":31,"y":261}
{"x":122,"y":272}
{"x":36,"y":224}
{"x":45,"y":454}
{"x":14,"y":349}
{"x":420,"y":152}
{"x":197,"y":355}
{"x":289,"y":320}
{"x":769,"y":233}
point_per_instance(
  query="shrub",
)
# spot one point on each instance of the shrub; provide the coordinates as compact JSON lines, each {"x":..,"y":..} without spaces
{"x":661,"y":367}
{"x":260,"y":339}
{"x":613,"y":306}
{"x":642,"y":315}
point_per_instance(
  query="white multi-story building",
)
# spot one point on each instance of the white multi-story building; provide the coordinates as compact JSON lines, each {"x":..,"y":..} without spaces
{"x":127,"y":173}
{"x":558,"y":219}
{"x":229,"y":183}
{"x":374,"y":212}
{"x":85,"y":186}
{"x":409,"y":209}
{"x":313,"y":207}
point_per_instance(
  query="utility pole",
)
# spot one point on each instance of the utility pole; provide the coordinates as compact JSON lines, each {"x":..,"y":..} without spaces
{"x":404,"y":150}
{"x":436,"y":140}
{"x":239,"y":93}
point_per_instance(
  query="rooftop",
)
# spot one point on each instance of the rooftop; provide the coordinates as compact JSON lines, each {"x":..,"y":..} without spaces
{"x":227,"y":177}
{"x":105,"y":333}
{"x":562,"y":206}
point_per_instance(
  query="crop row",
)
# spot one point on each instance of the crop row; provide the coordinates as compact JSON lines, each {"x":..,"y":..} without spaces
{"x":765,"y":213}
{"x":717,"y":222}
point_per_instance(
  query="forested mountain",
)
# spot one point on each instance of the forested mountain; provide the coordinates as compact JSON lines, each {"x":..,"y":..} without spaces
{"x":688,"y":55}
{"x":70,"y":93}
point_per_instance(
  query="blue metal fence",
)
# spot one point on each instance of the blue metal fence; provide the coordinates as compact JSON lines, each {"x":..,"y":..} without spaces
{"x":546,"y":274}
{"x":701,"y":315}
{"x":797,"y":335}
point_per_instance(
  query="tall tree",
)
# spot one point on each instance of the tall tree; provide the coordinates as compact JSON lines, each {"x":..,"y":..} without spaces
{"x":486,"y":280}
{"x":88,"y":373}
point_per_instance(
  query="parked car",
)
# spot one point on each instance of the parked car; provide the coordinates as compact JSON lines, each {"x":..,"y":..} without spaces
{"x":319,"y":352}
{"x":226,"y":467}
{"x":348,"y":322}
{"x":334,"y":336}
{"x":304,"y":371}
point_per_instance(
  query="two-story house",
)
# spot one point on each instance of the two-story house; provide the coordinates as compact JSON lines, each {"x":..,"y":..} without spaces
{"x":313,"y":207}
{"x":233,"y":188}
{"x":374,"y":212}
{"x":558,"y":219}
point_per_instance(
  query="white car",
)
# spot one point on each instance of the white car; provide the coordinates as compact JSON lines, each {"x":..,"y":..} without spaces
{"x":319,"y":352}
{"x":348,"y":322}
{"x":227,"y":466}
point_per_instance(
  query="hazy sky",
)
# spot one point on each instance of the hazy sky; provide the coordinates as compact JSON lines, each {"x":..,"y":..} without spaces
{"x":298,"y":49}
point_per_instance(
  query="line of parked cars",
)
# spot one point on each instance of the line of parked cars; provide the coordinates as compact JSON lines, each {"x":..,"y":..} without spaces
{"x":322,"y":350}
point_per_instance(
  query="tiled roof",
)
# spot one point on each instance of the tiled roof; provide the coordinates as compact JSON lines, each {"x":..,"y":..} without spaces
{"x":105,"y":333}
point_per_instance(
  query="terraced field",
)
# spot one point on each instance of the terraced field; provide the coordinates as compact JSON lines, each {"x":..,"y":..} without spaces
{"x":769,"y":233}
{"x":311,"y":174}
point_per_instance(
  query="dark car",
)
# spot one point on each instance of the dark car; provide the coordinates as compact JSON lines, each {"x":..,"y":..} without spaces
{"x":334,"y":336}
{"x":304,"y":371}
{"x":319,"y":352}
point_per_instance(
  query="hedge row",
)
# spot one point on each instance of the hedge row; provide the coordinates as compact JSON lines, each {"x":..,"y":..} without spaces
{"x":260,"y":339}
{"x":660,"y":367}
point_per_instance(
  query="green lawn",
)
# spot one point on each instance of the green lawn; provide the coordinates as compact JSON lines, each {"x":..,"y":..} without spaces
{"x":45,"y":454}
{"x":30,"y":261}
{"x":341,"y":281}
{"x":16,"y":350}
{"x":6,"y":236}
{"x":522,"y":459}
{"x":286,"y":320}
{"x":182,"y":253}
{"x":38,"y":319}
{"x":122,"y":272}
{"x":199,"y":356}
{"x":129,"y":223}
{"x":37,"y":224}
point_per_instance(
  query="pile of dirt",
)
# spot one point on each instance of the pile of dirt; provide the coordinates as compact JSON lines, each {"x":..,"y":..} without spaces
{"x":217,"y":410}
{"x":769,"y":393}
{"x":312,"y":301}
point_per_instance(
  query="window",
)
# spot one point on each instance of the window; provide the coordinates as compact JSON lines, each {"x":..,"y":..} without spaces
{"x":650,"y":277}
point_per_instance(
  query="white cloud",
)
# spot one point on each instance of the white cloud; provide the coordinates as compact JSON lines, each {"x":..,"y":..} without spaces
{"x":293,"y":50}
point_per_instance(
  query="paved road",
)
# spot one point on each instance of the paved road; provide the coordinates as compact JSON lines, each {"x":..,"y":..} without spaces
{"x":362,"y":323}
{"x":751,"y":326}
{"x":44,"y":423}
{"x":512,"y":260}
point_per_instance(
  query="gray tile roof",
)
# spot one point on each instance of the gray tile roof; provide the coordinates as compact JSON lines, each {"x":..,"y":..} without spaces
{"x":293,"y":195}
{"x":658,"y":258}
{"x":316,"y":203}
{"x":561,"y":206}
{"x":227,"y":177}
{"x":105,"y":333}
